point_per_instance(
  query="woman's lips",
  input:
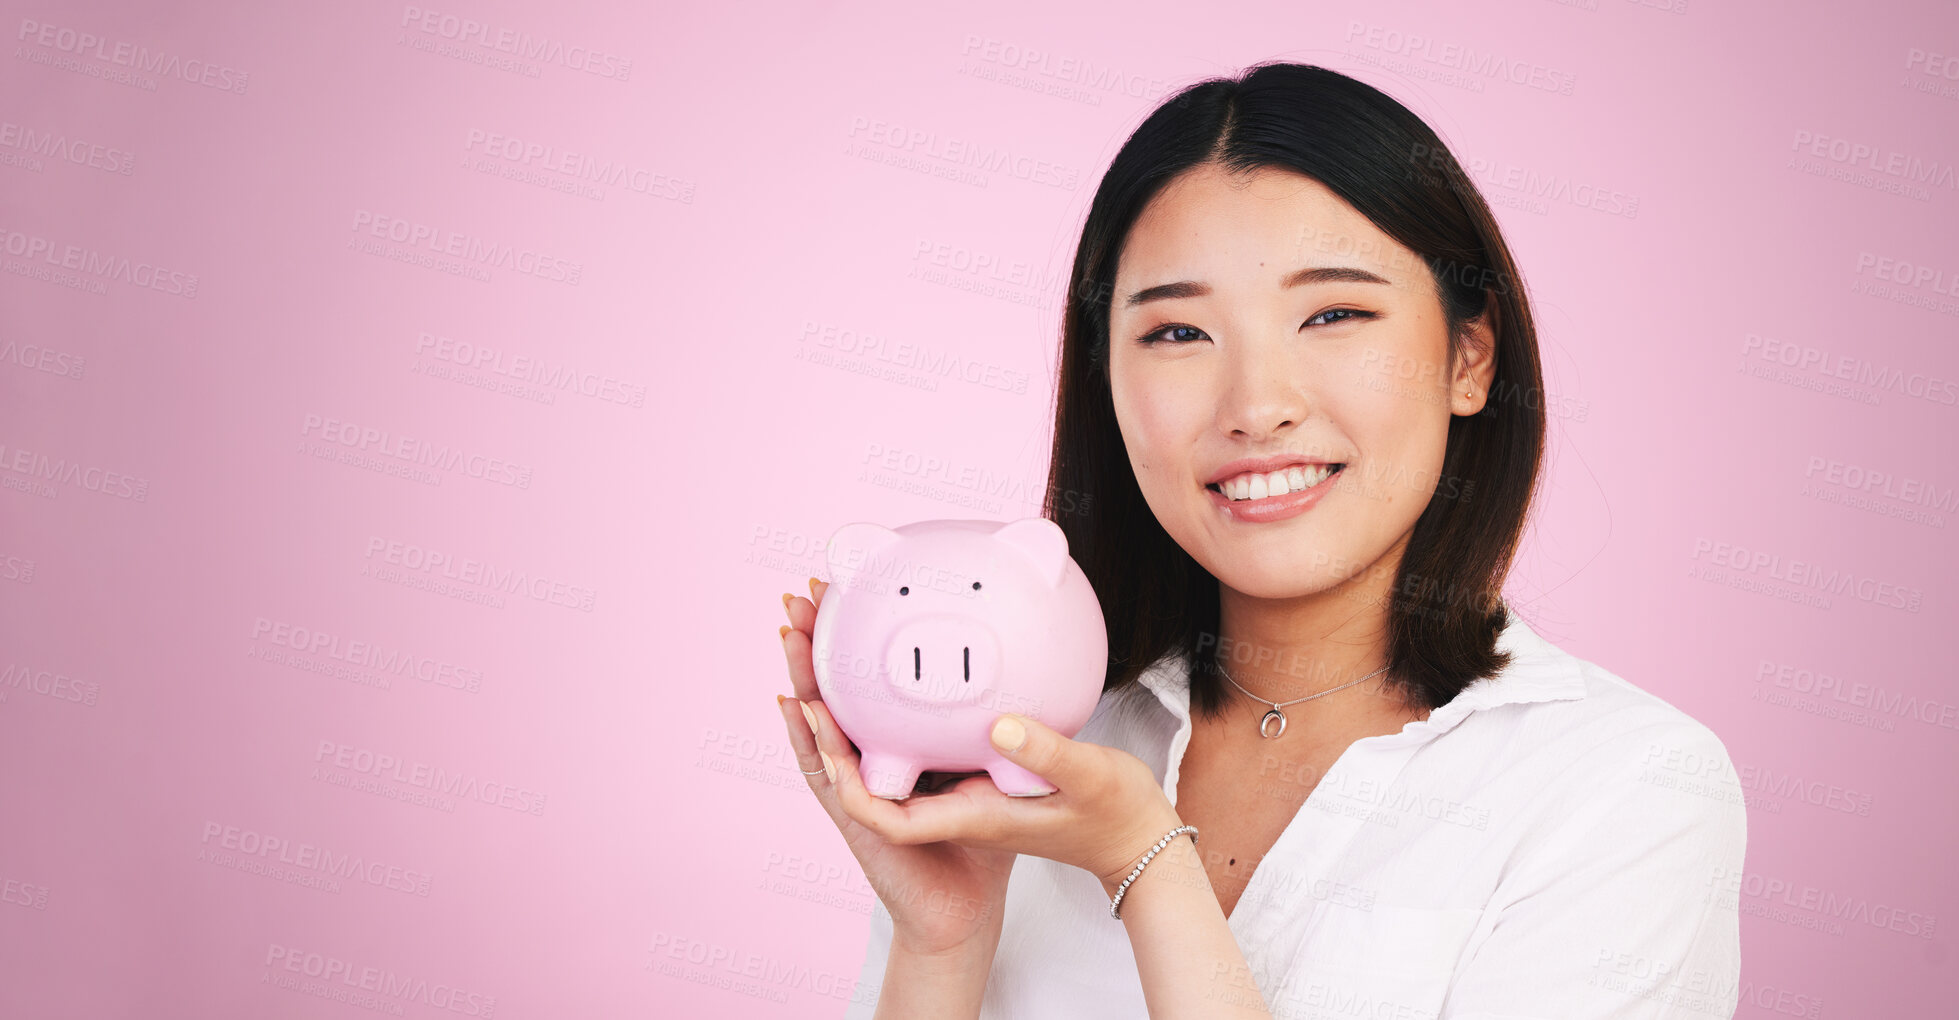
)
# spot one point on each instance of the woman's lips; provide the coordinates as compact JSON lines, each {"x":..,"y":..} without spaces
{"x":1273,"y":508}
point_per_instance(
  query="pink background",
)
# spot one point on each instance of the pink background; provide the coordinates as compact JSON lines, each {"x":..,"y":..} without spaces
{"x":575,"y":797}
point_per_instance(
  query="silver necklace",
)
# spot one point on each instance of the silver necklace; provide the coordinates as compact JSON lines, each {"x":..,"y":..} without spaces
{"x":1265,"y":721}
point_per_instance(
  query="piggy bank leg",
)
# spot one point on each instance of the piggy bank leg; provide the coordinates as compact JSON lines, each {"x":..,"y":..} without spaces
{"x":1015,"y":781}
{"x":887,"y":775}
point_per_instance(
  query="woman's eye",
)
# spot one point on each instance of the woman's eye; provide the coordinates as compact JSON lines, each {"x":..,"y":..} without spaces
{"x":1180,"y":334}
{"x":1171,"y":334}
{"x":1344,"y":313}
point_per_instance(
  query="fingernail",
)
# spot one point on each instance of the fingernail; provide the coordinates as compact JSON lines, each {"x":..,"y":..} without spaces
{"x":785,"y":599}
{"x":1009,"y":734}
{"x":783,"y":632}
{"x":778,"y":701}
{"x":829,"y":767}
{"x":812,"y":586}
{"x":810,"y":714}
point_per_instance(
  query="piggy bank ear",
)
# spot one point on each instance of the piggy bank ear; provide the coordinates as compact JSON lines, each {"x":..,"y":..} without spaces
{"x":1042,"y":542}
{"x":854,"y":548}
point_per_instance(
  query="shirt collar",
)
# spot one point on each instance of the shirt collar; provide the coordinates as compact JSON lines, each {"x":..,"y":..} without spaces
{"x":1538,"y":671}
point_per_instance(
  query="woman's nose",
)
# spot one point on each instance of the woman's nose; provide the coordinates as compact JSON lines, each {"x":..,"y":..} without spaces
{"x":1261,"y":396}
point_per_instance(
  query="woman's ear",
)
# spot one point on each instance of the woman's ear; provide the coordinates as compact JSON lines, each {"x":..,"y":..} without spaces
{"x":1475,"y":363}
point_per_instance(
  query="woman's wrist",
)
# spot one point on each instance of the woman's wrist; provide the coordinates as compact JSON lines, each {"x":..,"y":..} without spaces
{"x":1189,"y":960}
{"x":979,"y":946}
{"x":946,"y":982}
{"x":1138,"y":844}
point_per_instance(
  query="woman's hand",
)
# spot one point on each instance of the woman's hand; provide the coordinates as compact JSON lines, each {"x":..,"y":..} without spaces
{"x":943,"y":897}
{"x":1107,"y":810}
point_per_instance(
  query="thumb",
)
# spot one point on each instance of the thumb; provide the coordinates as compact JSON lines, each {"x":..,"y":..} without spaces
{"x":1034,"y":746}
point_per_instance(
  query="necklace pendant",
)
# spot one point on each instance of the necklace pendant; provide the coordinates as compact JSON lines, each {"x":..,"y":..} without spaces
{"x":1265,"y":724}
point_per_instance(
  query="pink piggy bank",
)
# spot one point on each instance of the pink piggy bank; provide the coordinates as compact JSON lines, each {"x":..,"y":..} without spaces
{"x":929,"y":631}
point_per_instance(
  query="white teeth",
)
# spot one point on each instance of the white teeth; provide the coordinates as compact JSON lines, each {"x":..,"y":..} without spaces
{"x":1296,"y":478}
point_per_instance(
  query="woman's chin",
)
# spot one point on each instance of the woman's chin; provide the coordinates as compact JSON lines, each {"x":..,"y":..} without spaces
{"x":1298,"y":577}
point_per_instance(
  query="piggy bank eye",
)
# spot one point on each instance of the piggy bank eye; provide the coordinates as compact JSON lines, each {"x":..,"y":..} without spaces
{"x":975,"y":585}
{"x":906,"y":590}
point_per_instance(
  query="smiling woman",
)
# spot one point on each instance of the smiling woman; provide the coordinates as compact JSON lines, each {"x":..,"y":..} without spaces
{"x":1299,"y":379}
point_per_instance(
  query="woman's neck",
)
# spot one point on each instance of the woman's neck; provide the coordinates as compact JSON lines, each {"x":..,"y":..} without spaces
{"x":1280,"y":650}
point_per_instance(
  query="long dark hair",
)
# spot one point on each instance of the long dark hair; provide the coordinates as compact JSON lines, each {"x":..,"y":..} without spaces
{"x":1445,"y":611}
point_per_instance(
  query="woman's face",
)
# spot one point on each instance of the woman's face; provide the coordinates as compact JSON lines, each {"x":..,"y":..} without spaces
{"x":1219,"y":353}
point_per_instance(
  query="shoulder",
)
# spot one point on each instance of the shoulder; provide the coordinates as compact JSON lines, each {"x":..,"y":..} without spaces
{"x":1645,"y":731}
{"x":1591,"y":744}
{"x":1549,"y":702}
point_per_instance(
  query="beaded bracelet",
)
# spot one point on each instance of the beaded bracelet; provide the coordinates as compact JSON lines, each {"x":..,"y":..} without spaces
{"x":1116,"y":904}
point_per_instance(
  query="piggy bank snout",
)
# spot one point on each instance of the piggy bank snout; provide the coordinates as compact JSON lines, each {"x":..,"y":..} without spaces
{"x":943,"y":659}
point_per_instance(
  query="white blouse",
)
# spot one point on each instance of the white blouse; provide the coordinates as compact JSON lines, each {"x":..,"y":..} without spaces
{"x":1552,"y":844}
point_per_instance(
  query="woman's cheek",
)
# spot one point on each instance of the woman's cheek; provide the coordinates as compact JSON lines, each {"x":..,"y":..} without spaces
{"x":1151,"y":421}
{"x":1399,"y":458}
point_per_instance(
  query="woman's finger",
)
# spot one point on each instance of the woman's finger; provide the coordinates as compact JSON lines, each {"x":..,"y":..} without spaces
{"x":801,"y":741}
{"x":802,"y":675}
{"x":808,"y":761}
{"x":802,"y":670}
{"x":802,"y":611}
{"x":888,"y":819}
{"x":830,"y":740}
{"x":973,"y":811}
{"x":802,"y":614}
{"x":1042,"y":750}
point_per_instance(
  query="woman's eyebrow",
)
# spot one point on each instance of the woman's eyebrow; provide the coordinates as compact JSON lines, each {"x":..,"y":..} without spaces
{"x":1311,"y":274}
